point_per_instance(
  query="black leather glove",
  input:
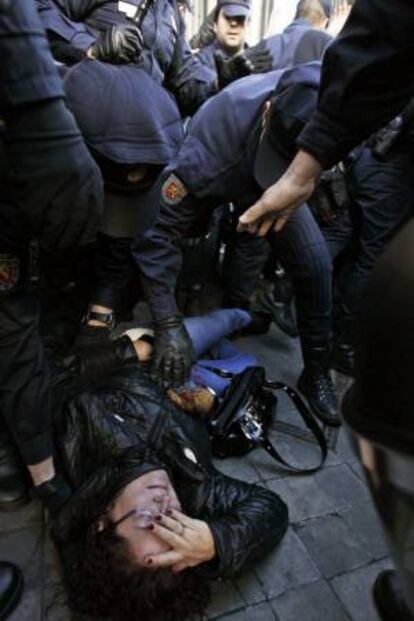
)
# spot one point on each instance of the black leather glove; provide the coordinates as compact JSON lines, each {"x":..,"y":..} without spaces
{"x":173,"y":352}
{"x":259,"y":59}
{"x":232,"y":69}
{"x":120,"y":44}
{"x":53,"y":494}
{"x":57,"y":185}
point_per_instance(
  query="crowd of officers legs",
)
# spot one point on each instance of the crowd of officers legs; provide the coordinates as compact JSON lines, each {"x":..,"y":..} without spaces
{"x":118,"y":65}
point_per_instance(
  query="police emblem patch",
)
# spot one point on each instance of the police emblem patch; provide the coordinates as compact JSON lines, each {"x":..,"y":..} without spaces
{"x":173,"y":190}
{"x":9,"y":271}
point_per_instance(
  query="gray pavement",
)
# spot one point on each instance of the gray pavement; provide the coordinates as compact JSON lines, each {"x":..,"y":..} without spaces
{"x":323,"y":569}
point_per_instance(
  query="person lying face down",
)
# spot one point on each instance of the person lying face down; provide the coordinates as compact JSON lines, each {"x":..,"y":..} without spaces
{"x":151,"y":520}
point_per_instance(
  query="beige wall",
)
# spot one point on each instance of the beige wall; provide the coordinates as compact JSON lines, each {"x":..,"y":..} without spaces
{"x":268,"y":16}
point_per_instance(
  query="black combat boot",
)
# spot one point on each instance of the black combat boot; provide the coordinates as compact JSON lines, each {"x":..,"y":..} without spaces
{"x":11,"y":587}
{"x":13,"y":478}
{"x":343,"y":354}
{"x":316,"y":385}
{"x":389,"y":598}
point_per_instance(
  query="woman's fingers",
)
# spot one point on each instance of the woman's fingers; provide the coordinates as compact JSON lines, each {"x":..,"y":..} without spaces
{"x":182,"y":517}
{"x":164,"y":559}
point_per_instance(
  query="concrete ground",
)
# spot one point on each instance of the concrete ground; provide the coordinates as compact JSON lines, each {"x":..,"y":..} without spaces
{"x":325,"y":566}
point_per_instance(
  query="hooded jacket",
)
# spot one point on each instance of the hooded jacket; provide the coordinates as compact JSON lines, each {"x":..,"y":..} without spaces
{"x":111,"y":434}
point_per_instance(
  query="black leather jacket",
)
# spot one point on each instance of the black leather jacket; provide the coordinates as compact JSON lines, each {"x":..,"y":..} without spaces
{"x":109,"y":434}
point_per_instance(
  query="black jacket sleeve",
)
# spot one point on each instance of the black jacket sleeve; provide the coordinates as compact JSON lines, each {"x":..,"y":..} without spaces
{"x":29,"y":75}
{"x":367,"y":78}
{"x":246,"y":521}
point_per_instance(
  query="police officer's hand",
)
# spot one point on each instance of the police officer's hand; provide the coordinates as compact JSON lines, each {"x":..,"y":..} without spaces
{"x":280,"y":200}
{"x":119,"y":44}
{"x":56,"y":183}
{"x":173,"y":352}
{"x":232,"y":69}
{"x":260,"y":59}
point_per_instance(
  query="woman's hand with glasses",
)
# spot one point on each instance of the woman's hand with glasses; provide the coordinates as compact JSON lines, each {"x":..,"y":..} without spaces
{"x":190,"y":540}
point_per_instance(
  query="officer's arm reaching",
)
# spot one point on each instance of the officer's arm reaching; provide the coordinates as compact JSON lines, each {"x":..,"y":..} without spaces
{"x":363,"y":86}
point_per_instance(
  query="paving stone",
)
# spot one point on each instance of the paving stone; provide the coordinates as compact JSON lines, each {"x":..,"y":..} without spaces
{"x":29,"y":607}
{"x":346,"y":447}
{"x":364,"y":521}
{"x":332,"y":545}
{"x":25,"y":548}
{"x":239,"y":468}
{"x":286,"y":568}
{"x":357,"y":469}
{"x":225,"y":598}
{"x":55,"y":606}
{"x":29,"y":515}
{"x":261,"y":612}
{"x":317,"y":599}
{"x":304,"y":497}
{"x":342,"y":486}
{"x":250,"y":588}
{"x":355,"y":591}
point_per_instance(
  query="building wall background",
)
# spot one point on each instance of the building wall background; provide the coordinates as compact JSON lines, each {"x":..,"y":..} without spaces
{"x":268,"y":17}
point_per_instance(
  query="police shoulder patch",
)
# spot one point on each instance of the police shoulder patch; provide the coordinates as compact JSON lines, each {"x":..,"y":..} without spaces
{"x":173,"y":190}
{"x":9,"y":271}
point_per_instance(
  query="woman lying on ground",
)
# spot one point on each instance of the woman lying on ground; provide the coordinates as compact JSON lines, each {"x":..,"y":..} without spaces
{"x":151,"y":520}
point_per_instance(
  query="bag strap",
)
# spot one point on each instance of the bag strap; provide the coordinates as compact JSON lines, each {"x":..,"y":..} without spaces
{"x":310,"y":422}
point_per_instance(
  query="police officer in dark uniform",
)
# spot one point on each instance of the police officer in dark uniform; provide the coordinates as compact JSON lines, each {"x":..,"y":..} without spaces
{"x":51,"y":196}
{"x":147,"y":32}
{"x":229,"y":50}
{"x":221,"y":160}
{"x":367,"y":80}
{"x":302,"y":41}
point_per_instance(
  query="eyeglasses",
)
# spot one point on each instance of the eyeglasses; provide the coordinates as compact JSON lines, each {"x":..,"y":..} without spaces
{"x":142,"y":518}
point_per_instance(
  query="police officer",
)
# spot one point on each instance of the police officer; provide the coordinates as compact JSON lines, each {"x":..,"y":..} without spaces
{"x":302,"y":41}
{"x":51,"y":192}
{"x":133,"y":129}
{"x":148,"y":33}
{"x":221,"y":160}
{"x":230,"y":24}
{"x":364,"y":85}
{"x":381,"y":196}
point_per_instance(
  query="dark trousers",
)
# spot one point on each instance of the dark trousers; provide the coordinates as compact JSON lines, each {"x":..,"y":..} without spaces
{"x":25,"y":395}
{"x":305,"y":256}
{"x":382,"y":193}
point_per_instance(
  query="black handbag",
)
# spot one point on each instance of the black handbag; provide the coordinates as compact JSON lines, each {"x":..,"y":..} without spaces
{"x":241,"y":420}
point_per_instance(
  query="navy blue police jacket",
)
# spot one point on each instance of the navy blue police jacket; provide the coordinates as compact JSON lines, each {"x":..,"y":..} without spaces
{"x":166,"y":56}
{"x":213,"y":166}
{"x":298,"y":43}
{"x":27,"y":75}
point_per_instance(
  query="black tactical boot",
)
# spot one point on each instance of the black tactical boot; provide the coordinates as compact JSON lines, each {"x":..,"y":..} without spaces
{"x":13,"y":478}
{"x":11,"y":587}
{"x":343,"y":353}
{"x":389,"y":598}
{"x":316,"y":385}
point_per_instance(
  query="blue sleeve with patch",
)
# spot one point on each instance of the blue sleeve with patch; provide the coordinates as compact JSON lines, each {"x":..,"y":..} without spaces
{"x":158,"y":252}
{"x":29,"y":75}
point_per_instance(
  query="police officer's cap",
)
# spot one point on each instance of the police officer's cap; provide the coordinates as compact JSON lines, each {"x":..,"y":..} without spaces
{"x":292,"y":104}
{"x":235,"y":8}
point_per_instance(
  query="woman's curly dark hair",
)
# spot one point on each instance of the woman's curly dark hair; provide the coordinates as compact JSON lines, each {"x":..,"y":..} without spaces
{"x":103,"y":581}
